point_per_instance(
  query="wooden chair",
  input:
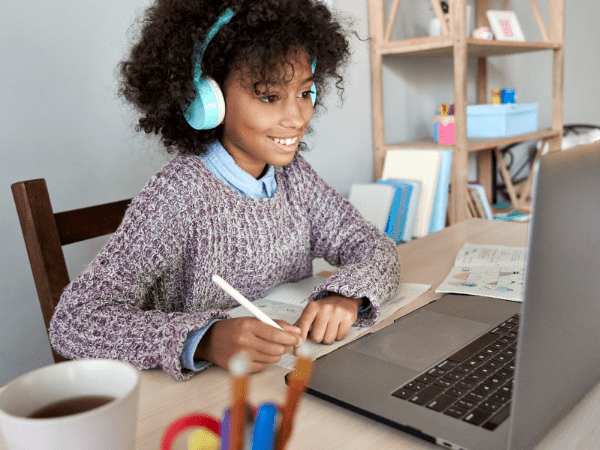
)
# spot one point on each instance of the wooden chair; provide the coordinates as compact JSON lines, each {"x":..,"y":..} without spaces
{"x":46,"y":232}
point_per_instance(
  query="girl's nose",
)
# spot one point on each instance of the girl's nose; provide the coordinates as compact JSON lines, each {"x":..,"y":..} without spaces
{"x":296,"y":114}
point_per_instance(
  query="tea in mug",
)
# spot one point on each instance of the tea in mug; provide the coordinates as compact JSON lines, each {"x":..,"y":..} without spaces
{"x":70,"y":406}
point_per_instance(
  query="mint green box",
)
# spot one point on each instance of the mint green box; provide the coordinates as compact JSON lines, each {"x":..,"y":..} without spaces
{"x":490,"y":121}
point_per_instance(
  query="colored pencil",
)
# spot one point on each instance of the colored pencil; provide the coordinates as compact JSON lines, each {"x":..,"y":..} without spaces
{"x":239,"y":366}
{"x":297,"y":385}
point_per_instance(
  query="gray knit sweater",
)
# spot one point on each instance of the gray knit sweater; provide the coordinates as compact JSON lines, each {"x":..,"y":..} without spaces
{"x":151,"y":284}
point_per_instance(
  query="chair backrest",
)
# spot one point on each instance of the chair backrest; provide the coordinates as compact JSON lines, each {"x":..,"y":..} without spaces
{"x":46,"y":232}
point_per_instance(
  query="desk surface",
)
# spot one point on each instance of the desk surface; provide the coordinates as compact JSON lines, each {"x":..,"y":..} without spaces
{"x":322,"y":425}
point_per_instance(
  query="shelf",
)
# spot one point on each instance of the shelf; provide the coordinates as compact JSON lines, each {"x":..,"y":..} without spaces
{"x":457,"y":46}
{"x":475,"y":145}
{"x":444,"y":46}
{"x":478,"y":144}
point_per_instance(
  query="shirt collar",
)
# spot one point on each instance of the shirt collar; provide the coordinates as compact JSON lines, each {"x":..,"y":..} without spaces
{"x":220,"y":163}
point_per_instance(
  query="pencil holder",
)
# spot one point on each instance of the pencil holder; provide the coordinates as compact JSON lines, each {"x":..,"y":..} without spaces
{"x":212,"y":434}
{"x":266,"y":427}
{"x":444,"y":130}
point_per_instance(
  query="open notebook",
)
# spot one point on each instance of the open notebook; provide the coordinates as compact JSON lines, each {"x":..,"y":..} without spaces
{"x":287,"y":301}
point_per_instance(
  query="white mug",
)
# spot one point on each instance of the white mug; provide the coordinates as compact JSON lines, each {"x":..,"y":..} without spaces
{"x":107,"y":427}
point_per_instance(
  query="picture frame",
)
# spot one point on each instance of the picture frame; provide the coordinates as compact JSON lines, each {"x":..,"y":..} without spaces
{"x":505,"y":25}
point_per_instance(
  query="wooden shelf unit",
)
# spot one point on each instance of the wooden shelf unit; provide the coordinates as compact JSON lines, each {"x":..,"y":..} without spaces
{"x":477,"y":144}
{"x":455,"y":44}
{"x":444,"y":46}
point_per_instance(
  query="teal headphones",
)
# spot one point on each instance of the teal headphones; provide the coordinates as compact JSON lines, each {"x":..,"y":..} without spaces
{"x":207,"y":110}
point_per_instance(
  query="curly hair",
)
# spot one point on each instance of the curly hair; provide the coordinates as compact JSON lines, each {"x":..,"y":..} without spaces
{"x":157,"y":77}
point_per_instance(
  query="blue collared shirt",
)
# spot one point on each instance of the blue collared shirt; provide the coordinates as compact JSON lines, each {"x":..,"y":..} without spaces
{"x":221,"y":164}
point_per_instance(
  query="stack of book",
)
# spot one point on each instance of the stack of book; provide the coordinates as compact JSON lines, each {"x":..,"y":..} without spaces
{"x":411,"y":198}
{"x":479,"y":206}
{"x":477,"y":201}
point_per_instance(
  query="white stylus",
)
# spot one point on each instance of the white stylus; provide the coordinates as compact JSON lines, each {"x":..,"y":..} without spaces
{"x":244,"y":301}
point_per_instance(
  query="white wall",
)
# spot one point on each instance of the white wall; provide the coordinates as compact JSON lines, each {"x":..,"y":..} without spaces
{"x":61,"y":120}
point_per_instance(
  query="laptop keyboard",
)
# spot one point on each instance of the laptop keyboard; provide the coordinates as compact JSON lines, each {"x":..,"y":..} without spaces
{"x":475,"y":383}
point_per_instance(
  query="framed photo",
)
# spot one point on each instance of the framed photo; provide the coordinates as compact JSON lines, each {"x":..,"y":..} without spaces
{"x":505,"y":25}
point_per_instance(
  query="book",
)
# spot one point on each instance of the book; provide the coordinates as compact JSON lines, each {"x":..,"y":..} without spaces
{"x":420,"y":165}
{"x":440,"y":202}
{"x":481,"y":200}
{"x":471,"y":206}
{"x":374,"y":202}
{"x":287,"y":301}
{"x":408,"y":208}
{"x":505,"y":212}
{"x":514,"y":215}
{"x":415,"y":197}
{"x":496,"y":271}
{"x":475,"y":203}
{"x":394,"y":226}
{"x":397,"y":218}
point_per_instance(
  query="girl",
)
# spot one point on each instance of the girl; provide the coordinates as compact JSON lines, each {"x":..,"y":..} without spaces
{"x":238,"y":200}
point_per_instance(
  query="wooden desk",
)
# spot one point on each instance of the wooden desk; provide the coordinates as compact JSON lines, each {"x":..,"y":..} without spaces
{"x":320,"y":425}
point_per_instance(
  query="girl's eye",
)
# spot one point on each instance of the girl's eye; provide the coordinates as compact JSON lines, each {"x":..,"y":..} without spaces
{"x":306,"y":94}
{"x":269,"y":98}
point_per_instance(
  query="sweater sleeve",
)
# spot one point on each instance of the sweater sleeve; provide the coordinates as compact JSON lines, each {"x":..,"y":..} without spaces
{"x":128,"y":303}
{"x":368,"y":260}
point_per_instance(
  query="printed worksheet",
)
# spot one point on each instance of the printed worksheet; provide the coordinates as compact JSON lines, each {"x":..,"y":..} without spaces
{"x":489,"y":270}
{"x":287,"y":302}
{"x":283,"y":302}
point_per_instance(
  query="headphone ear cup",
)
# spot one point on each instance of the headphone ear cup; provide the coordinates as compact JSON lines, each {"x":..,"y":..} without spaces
{"x":207,"y":110}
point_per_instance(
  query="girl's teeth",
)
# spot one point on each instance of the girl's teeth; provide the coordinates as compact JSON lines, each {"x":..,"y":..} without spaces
{"x":285,"y":141}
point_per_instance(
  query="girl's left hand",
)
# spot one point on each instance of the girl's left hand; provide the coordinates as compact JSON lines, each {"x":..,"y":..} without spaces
{"x":328,"y":319}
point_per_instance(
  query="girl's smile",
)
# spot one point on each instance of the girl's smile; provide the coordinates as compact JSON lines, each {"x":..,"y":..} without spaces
{"x":265,"y":122}
{"x":289,"y":144}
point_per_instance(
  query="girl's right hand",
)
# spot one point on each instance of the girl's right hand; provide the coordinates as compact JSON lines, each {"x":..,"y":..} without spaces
{"x":263,"y":343}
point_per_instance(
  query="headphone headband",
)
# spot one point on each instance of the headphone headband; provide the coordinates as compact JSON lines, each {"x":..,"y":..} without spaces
{"x":199,"y":49}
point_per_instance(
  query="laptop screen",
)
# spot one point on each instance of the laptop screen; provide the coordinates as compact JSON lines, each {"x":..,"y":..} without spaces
{"x":558,"y":359}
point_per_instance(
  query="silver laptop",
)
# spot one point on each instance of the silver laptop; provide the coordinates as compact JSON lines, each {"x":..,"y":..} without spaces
{"x":476,"y":373}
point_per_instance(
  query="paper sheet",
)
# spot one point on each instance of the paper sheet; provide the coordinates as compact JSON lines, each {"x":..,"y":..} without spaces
{"x":489,"y":270}
{"x":287,"y":302}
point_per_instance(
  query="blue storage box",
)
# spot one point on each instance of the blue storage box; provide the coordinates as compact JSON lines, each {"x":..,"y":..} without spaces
{"x":489,"y":121}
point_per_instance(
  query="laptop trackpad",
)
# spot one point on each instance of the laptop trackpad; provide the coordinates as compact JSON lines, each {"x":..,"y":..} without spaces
{"x":419,"y":340}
